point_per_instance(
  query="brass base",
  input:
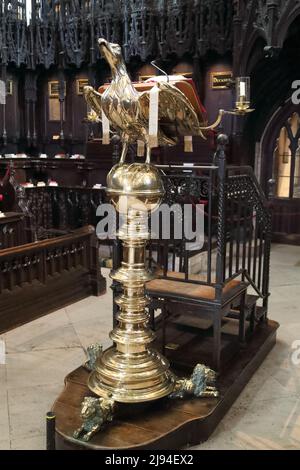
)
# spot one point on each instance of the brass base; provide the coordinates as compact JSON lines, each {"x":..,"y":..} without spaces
{"x":131,"y":378}
{"x":166,"y":424}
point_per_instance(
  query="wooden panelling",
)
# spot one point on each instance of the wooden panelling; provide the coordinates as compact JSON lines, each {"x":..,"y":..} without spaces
{"x":40,"y":277}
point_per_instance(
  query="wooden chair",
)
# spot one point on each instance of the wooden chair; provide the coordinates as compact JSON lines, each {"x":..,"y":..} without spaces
{"x":173,"y":292}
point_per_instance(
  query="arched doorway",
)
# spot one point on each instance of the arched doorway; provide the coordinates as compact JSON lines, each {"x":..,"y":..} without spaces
{"x":280,"y":161}
{"x":286,"y":161}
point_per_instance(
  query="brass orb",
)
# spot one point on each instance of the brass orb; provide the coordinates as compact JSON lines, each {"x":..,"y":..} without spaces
{"x":136,"y":186}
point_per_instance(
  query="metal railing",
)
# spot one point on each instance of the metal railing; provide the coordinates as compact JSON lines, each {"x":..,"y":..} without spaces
{"x":237,"y":227}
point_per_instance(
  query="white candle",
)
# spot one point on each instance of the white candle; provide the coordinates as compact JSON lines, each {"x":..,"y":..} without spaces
{"x":243,"y":89}
{"x":28,"y":11}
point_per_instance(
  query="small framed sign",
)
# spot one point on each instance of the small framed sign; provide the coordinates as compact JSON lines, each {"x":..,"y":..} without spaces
{"x":80,"y":84}
{"x":219,"y":80}
{"x":53,"y":89}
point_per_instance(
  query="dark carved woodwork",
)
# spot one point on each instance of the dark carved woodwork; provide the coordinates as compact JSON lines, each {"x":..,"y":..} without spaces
{"x":66,"y":172}
{"x":74,"y":27}
{"x":16,"y":38}
{"x":11,"y":230}
{"x":139,"y":28}
{"x":30,"y":96}
{"x":213,"y":26}
{"x":145,"y":28}
{"x":68,"y":206}
{"x":43,"y":40}
{"x":62,"y":208}
{"x":104,"y":21}
{"x":61,"y":40}
{"x":73,"y":31}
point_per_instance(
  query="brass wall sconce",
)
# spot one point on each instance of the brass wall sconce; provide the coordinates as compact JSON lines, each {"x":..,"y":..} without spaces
{"x":242,"y":103}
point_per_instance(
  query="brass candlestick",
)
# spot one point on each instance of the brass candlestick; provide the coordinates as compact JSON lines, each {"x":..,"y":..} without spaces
{"x":130,"y":371}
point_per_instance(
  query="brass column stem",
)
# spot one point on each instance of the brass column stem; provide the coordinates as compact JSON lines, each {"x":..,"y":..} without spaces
{"x":130,"y":371}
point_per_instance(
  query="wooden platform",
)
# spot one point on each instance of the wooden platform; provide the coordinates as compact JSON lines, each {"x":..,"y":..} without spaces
{"x":164,"y":424}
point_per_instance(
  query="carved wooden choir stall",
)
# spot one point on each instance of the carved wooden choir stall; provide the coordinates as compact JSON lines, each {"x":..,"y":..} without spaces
{"x":48,"y":251}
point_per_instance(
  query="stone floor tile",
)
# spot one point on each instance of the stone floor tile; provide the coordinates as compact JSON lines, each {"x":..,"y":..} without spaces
{"x":93,"y":331}
{"x":29,"y":443}
{"x":272,"y":423}
{"x":42,"y":367}
{"x":49,"y":332}
{"x":28,"y":407}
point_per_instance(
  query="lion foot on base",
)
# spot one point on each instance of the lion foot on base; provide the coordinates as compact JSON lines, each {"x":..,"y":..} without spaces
{"x":94,"y":351}
{"x":95,"y":413}
{"x":201,"y":384}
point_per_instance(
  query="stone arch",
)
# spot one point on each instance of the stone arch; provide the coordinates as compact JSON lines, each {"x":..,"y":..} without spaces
{"x":285,"y":23}
{"x":255,"y":55}
{"x":270,"y":135}
{"x":246,"y":52}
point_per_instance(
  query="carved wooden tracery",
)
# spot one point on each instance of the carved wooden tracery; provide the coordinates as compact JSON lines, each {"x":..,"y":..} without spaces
{"x":15,"y":38}
{"x":145,"y":28}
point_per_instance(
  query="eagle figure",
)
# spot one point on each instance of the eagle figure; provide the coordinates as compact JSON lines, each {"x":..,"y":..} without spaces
{"x":127,"y":109}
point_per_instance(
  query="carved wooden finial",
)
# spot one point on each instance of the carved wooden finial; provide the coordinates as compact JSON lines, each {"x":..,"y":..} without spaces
{"x":222,"y":140}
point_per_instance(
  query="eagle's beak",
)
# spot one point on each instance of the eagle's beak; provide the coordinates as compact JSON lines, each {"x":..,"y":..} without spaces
{"x":107,"y":51}
{"x":103,"y":46}
{"x":102,"y":42}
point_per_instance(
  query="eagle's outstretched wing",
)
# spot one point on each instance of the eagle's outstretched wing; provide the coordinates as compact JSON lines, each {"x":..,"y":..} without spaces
{"x":93,"y":99}
{"x":176,"y":114}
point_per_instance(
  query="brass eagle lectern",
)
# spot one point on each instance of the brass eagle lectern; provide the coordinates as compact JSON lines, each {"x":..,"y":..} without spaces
{"x":131,"y":371}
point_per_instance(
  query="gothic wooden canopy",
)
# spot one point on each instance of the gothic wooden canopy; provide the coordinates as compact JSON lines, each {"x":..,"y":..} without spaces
{"x":65,"y":31}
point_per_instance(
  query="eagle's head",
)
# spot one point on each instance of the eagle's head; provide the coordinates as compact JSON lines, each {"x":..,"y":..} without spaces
{"x":111,"y":52}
